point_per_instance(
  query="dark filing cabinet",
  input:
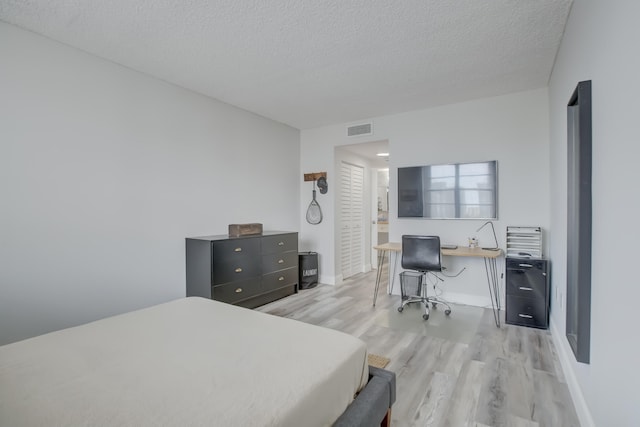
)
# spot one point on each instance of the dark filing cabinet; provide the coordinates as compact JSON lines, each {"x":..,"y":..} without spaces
{"x":527,"y":292}
{"x":248,"y":271}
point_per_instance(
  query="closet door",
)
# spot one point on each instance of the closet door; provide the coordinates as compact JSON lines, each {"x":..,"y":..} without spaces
{"x":351,"y":219}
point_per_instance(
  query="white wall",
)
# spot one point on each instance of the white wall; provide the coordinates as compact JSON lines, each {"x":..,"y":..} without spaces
{"x":512,"y":129}
{"x":105,"y":171}
{"x":599,"y":45}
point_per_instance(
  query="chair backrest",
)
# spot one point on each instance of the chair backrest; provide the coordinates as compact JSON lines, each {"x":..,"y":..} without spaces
{"x":421,"y":253}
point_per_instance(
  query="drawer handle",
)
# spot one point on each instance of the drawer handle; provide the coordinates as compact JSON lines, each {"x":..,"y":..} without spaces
{"x":238,"y":249}
{"x":280,"y":261}
{"x":524,"y":288}
{"x":238,"y":270}
{"x":281,"y":278}
{"x":238,"y":290}
{"x":526,"y":316}
{"x":526,"y":265}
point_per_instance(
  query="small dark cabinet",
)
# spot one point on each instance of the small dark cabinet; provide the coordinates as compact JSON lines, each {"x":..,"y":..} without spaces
{"x":527,"y":291}
{"x":248,"y":271}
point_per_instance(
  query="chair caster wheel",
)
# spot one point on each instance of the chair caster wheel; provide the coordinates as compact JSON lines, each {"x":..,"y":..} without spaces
{"x":400,"y":309}
{"x":434,"y":305}
{"x":425,"y":316}
{"x":447,"y":312}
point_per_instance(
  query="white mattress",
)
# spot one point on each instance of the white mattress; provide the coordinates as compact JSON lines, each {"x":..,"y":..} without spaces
{"x":189,"y":362}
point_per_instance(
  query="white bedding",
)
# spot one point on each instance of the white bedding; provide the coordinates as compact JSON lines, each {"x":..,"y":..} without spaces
{"x":189,"y":362}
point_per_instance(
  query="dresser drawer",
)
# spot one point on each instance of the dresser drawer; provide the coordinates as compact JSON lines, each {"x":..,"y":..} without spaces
{"x":236,"y":291}
{"x":279,"y":261}
{"x":240,"y":268}
{"x":279,"y":279}
{"x":526,"y":312}
{"x":231,"y":249}
{"x":280,"y":243}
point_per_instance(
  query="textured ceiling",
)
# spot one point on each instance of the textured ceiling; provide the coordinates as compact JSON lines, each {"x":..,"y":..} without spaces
{"x":311,"y":63}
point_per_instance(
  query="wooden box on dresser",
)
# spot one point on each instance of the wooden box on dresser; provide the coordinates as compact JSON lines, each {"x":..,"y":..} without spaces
{"x":248,"y":271}
{"x":527,"y":291}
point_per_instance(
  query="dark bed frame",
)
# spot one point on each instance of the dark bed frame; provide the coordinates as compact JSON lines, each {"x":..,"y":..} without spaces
{"x":373,"y":404}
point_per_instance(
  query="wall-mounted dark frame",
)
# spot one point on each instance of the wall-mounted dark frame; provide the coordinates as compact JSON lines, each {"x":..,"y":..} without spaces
{"x":422,"y":193}
{"x":578,"y":326}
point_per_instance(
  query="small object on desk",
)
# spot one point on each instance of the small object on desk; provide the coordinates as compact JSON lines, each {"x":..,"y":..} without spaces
{"x":449,"y":246}
{"x":491,"y":249}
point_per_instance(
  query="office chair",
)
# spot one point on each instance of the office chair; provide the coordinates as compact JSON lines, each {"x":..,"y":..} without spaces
{"x":422,"y":254}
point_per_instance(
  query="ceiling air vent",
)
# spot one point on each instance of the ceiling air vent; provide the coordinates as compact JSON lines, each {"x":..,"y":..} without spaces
{"x":361,"y":129}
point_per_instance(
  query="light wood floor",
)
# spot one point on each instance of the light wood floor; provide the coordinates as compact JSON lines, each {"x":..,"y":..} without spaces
{"x":459,"y":370}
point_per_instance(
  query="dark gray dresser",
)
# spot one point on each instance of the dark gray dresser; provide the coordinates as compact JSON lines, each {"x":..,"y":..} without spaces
{"x":527,"y":291}
{"x":248,"y":271}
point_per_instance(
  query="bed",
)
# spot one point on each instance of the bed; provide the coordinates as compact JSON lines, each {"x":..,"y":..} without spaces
{"x":196,"y":362}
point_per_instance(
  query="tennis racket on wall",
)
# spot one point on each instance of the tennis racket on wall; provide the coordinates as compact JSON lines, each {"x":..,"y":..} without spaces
{"x":314,"y":213}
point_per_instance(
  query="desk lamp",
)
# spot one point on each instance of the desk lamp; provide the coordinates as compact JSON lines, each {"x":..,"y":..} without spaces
{"x":496,"y":248}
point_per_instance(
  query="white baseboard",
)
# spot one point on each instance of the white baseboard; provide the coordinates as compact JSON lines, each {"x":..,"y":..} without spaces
{"x":329,"y":280}
{"x":582,"y":409}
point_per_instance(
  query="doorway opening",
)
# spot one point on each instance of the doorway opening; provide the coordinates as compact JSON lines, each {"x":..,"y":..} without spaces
{"x":362,"y":205}
{"x":382,"y":214}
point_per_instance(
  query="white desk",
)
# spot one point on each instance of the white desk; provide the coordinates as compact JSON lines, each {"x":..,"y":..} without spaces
{"x":490,"y":264}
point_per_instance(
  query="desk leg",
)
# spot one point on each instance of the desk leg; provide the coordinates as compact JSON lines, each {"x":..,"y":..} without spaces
{"x":491,"y":267}
{"x":393,"y":274}
{"x":381,"y":256}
